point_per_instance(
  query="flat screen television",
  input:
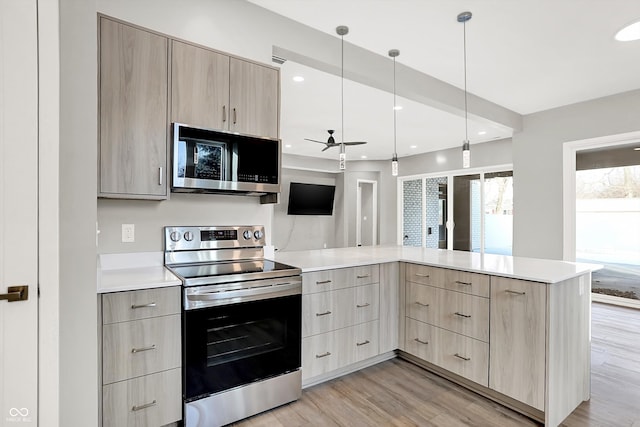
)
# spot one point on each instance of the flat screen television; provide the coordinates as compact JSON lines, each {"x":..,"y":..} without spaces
{"x":310,"y":199}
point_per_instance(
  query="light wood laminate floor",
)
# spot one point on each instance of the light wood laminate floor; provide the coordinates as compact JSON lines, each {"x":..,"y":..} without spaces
{"x":398,"y":393}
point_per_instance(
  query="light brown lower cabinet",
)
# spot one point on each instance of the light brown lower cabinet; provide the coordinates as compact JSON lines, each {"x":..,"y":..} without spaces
{"x":525,"y":344}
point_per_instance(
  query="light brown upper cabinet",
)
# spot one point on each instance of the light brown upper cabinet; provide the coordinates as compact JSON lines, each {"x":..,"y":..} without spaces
{"x":216,"y":91}
{"x":133,"y":103}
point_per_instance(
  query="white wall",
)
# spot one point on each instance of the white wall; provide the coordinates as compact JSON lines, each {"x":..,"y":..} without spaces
{"x":537,"y":165}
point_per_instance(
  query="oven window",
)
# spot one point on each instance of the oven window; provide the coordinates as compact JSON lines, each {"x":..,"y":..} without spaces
{"x":232,"y":345}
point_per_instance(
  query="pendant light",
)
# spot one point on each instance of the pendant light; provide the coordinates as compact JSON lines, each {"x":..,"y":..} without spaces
{"x":394,"y":160}
{"x":342,"y":30}
{"x":466,"y":153}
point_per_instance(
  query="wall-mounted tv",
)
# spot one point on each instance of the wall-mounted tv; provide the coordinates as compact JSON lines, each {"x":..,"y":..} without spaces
{"x":310,"y":199}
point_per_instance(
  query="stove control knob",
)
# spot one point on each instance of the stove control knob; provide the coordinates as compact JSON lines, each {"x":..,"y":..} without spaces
{"x":246,"y":235}
{"x":188,"y":236}
{"x":258,"y":234}
{"x":174,"y":236}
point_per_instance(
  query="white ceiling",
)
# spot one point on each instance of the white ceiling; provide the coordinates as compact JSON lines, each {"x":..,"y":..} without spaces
{"x":525,"y":55}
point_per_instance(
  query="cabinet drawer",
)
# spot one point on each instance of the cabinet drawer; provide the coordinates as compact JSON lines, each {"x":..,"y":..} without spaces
{"x":153,"y":400}
{"x":334,"y":350}
{"x":461,"y":355}
{"x":320,"y":281}
{"x":460,"y":281}
{"x":367,"y":303}
{"x":465,"y":314}
{"x":327,"y":311}
{"x":422,"y":303}
{"x":464,"y":356}
{"x":133,"y":305}
{"x":140,"y":347}
{"x":421,"y":340}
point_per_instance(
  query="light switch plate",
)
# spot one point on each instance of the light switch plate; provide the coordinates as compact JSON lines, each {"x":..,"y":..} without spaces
{"x":128,"y":233}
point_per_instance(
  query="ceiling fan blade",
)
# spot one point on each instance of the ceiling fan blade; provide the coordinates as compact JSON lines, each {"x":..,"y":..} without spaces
{"x":313,"y":140}
{"x":355,"y":142}
{"x":326,"y":148}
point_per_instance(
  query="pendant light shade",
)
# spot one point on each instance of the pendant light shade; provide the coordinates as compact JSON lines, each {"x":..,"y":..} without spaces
{"x":342,"y":30}
{"x":394,"y":160}
{"x":466,"y":152}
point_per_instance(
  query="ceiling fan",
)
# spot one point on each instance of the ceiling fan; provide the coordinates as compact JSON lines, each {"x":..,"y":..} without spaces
{"x":331,"y":142}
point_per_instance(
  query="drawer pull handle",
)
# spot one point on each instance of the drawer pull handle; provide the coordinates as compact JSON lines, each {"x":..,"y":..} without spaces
{"x":323,"y":314}
{"x":364,"y":276}
{"x":422,"y":275}
{"x":466,"y":316}
{"x":145,"y":406}
{"x":323,"y":282}
{"x":466,"y":359}
{"x":140,"y":350}
{"x":420,"y":341}
{"x":151,"y":304}
{"x":514,"y":292}
{"x":421,"y":304}
{"x":366,"y":304}
{"x":362,"y":343}
{"x":463,"y":283}
{"x":320,"y":356}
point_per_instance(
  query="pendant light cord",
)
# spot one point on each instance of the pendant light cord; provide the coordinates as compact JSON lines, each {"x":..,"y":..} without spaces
{"x":342,"y":92}
{"x":395,"y":111}
{"x":464,"y":32}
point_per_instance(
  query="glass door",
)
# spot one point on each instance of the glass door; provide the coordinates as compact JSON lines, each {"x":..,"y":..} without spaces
{"x":467,"y":213}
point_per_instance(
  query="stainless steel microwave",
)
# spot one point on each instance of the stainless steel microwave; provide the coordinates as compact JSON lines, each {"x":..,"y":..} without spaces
{"x":216,"y":161}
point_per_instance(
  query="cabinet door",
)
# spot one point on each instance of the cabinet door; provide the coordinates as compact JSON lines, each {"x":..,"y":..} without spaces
{"x":517,"y":340}
{"x":199,"y":86}
{"x":254,"y":97}
{"x":133,"y":112}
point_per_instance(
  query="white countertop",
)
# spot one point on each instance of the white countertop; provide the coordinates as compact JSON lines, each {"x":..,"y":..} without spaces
{"x":539,"y":270}
{"x":133,"y":271}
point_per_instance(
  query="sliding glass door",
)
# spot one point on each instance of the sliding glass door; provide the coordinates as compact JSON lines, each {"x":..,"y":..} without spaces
{"x":468,"y":212}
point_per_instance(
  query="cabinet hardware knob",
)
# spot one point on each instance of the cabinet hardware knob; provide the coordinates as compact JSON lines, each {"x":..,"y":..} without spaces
{"x":421,"y":304}
{"x":366,"y":304}
{"x":362,"y":343}
{"x":466,"y":316}
{"x":463,"y":283}
{"x":141,"y":349}
{"x":466,"y":359}
{"x":323,"y":282}
{"x":323,"y":314}
{"x":151,"y":304}
{"x":514,"y":292}
{"x":420,"y":341}
{"x":319,"y":356}
{"x":145,"y":406}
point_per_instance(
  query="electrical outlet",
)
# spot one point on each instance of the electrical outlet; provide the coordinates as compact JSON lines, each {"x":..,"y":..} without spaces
{"x":128,"y":233}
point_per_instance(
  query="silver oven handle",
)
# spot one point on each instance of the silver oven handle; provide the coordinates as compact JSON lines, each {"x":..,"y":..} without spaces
{"x":213,"y":298}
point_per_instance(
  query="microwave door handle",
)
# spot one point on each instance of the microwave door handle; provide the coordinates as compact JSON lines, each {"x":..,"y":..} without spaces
{"x":195,"y":154}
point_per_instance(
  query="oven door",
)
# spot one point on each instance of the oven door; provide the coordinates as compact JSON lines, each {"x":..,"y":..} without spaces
{"x":226,"y":346}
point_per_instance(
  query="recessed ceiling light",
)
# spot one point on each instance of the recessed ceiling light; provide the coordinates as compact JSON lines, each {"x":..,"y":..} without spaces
{"x":398,"y":107}
{"x":413,"y":146}
{"x":629,"y":33}
{"x":363,"y":157}
{"x":287,"y":146}
{"x":636,"y":149}
{"x":298,"y":79}
{"x":482,"y":132}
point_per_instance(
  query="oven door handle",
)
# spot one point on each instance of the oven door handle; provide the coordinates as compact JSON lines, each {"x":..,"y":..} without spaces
{"x":212,"y":298}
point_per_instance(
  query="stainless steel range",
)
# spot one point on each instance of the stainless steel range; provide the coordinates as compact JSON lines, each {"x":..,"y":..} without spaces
{"x":241,"y":323}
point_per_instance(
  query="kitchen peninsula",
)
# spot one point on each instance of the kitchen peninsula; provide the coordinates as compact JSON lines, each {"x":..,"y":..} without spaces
{"x":516,"y":330}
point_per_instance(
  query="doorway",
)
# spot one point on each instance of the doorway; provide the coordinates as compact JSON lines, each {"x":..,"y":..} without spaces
{"x":367,"y":213}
